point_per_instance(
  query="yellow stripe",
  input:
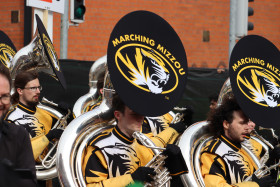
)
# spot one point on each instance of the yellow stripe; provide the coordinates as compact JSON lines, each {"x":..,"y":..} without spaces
{"x":26,"y":108}
{"x":229,"y":142}
{"x":123,"y":137}
{"x":214,"y":145}
{"x":97,"y":138}
{"x":179,"y":173}
{"x":9,"y":113}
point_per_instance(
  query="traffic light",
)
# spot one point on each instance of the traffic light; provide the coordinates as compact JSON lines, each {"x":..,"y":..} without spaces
{"x":250,"y":13}
{"x":243,"y":11}
{"x":78,"y":9}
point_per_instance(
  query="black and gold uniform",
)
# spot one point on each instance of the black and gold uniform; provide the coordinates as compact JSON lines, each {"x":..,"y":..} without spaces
{"x":152,"y":126}
{"x":254,"y":146}
{"x":111,"y":157}
{"x":225,"y":163}
{"x":36,"y":121}
{"x":155,"y":125}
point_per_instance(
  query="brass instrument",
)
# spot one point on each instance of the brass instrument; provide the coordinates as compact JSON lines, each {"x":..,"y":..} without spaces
{"x":225,"y":91}
{"x":47,"y":169}
{"x":162,"y":177}
{"x":178,"y":116}
{"x":191,"y":143}
{"x":96,"y":71}
{"x":264,"y":170}
{"x":254,"y":133}
{"x":271,"y":130}
{"x":78,"y":133}
{"x":34,"y":56}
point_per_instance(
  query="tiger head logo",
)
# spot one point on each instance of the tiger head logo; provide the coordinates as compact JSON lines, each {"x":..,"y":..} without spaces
{"x":121,"y":159}
{"x":31,"y":124}
{"x":238,"y":167}
{"x":146,"y":70}
{"x":262,"y":87}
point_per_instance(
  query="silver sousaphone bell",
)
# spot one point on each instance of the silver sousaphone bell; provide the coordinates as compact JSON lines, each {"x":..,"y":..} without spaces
{"x":38,"y":55}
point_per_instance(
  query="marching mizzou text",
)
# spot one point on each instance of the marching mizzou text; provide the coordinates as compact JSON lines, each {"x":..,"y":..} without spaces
{"x":151,"y":42}
{"x":252,"y":60}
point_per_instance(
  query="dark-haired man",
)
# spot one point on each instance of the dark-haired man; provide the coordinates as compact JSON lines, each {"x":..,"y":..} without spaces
{"x":223,"y":161}
{"x":36,"y":121}
{"x":15,"y":147}
{"x":115,"y":158}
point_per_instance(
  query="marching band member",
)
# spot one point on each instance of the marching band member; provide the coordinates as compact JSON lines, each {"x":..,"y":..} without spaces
{"x":223,"y":161}
{"x":15,"y":147}
{"x":115,"y":158}
{"x":36,"y":121}
{"x":152,"y":126}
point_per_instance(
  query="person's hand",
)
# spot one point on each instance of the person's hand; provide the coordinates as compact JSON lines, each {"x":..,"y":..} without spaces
{"x":265,"y":181}
{"x":64,"y":107}
{"x":54,"y":133}
{"x":175,"y":161}
{"x":172,"y":150}
{"x":143,"y":174}
{"x":180,"y":127}
{"x":274,"y":155}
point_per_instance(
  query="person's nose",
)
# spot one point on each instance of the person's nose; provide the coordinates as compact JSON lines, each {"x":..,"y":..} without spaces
{"x":38,"y":90}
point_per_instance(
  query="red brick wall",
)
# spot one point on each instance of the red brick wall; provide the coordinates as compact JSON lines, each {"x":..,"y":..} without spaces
{"x":189,"y":18}
{"x":15,"y":31}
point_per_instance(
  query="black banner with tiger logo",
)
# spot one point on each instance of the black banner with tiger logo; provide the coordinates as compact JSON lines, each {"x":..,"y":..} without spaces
{"x":147,"y":63}
{"x":255,"y":79}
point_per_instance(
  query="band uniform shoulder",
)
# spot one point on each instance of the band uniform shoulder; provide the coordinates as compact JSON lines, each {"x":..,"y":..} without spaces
{"x":212,"y":145}
{"x":10,"y":116}
{"x":101,"y":136}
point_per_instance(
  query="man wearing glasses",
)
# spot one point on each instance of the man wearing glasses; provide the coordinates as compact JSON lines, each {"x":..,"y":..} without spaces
{"x":17,"y":167}
{"x":36,"y":121}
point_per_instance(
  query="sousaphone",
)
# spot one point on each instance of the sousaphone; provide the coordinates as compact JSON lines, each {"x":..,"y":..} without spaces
{"x":148,"y":69}
{"x":96,"y":72}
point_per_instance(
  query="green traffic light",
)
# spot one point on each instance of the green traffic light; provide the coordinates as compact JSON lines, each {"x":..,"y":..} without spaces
{"x":80,"y":11}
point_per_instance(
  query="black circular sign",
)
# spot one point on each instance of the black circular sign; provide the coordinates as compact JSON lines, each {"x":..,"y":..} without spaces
{"x":147,"y":63}
{"x":255,"y":79}
{"x":50,"y":52}
{"x":7,"y":50}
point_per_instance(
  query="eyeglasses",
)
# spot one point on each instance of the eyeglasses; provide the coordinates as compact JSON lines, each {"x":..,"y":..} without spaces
{"x":34,"y":89}
{"x":5,"y":99}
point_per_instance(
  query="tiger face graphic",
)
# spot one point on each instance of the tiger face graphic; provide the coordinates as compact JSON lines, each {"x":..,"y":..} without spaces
{"x":31,"y":124}
{"x":238,"y":167}
{"x":262,"y":87}
{"x":121,"y":159}
{"x":146,"y":70}
{"x":159,"y":74}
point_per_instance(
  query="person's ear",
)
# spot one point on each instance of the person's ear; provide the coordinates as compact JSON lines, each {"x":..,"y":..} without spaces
{"x":117,"y":114}
{"x":226,"y":124}
{"x":19,"y":91}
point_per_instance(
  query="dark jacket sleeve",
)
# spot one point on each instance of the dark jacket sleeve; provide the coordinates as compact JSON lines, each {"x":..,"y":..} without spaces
{"x":24,"y":162}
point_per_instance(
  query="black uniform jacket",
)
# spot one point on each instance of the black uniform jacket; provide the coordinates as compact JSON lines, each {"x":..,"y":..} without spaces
{"x":15,"y":147}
